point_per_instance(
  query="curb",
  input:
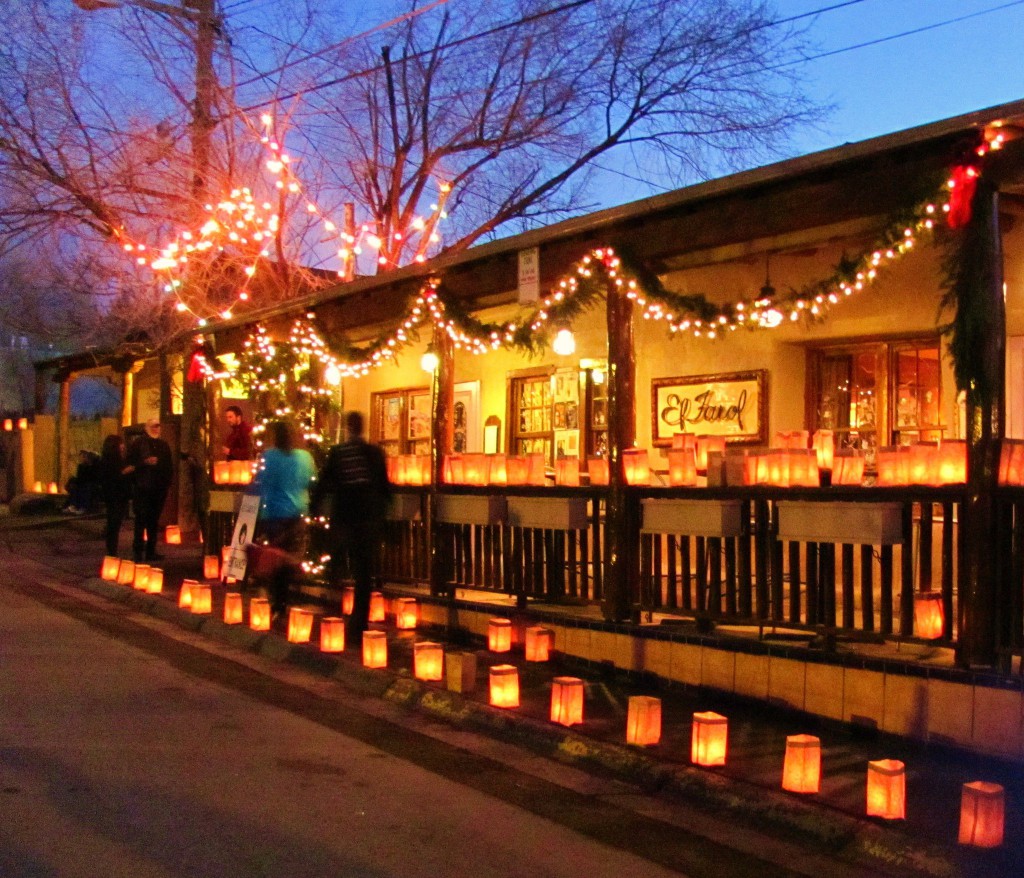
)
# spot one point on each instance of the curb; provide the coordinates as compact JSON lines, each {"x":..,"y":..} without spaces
{"x":834,"y":833}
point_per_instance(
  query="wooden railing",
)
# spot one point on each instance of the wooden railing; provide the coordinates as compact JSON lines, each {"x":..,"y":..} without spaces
{"x":751,"y":577}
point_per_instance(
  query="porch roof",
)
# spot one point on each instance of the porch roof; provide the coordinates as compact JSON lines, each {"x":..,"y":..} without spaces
{"x":486,"y":273}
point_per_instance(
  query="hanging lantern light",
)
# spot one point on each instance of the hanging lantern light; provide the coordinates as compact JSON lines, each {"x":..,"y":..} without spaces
{"x":886,"y":790}
{"x":567,"y":701}
{"x":539,"y":642}
{"x":428,"y":661}
{"x":643,"y":720}
{"x":564,"y":344}
{"x":801,"y":770}
{"x":233,"y":608}
{"x":499,"y":635}
{"x":375,"y":649}
{"x":982,"y":808}
{"x":504,"y":681}
{"x":332,"y":634}
{"x":430,"y":360}
{"x":300,"y":625}
{"x":259,"y":614}
{"x":710,"y":737}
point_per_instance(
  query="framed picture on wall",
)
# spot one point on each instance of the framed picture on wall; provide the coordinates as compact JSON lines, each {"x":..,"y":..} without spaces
{"x":419,"y":415}
{"x":733,"y":404}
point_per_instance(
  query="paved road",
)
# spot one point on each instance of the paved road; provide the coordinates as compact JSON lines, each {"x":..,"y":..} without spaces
{"x":131,"y":747}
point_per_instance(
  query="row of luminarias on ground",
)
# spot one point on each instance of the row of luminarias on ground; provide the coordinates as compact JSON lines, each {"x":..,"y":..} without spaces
{"x":982,"y":803}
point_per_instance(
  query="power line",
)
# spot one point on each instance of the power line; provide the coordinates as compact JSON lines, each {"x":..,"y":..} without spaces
{"x":901,"y":34}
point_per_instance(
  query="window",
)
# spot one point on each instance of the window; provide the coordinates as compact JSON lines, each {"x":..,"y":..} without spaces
{"x":401,"y":420}
{"x":877,"y":393}
{"x":531,"y":424}
{"x":558,"y":412}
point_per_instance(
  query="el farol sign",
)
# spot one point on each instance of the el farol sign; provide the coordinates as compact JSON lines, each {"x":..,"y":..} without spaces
{"x":733,"y":405}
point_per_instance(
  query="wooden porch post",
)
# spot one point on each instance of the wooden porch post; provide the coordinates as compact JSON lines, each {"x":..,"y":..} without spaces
{"x":985,"y":426}
{"x":621,"y":531}
{"x":441,"y":438}
{"x":63,"y":429}
{"x":127,"y":396}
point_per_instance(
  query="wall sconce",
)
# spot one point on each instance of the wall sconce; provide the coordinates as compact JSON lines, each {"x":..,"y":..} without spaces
{"x":567,"y":701}
{"x":377,"y":608}
{"x":300,"y":625}
{"x":564,"y":344}
{"x":710,"y":738}
{"x":499,"y":635}
{"x":430,"y":360}
{"x":259,"y":614}
{"x":332,"y":634}
{"x":108,"y":569}
{"x":233,"y":608}
{"x":428,"y":661}
{"x":981,"y":814}
{"x":504,"y":681}
{"x":375,"y":649}
{"x":539,"y":642}
{"x":801,"y":770}
{"x":887,"y":780}
{"x":643,"y":720}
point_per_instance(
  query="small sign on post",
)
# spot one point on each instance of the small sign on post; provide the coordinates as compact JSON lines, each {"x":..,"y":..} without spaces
{"x":529,"y":275}
{"x":245,"y":527}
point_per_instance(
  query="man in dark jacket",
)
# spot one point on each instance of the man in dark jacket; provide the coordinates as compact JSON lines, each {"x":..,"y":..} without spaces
{"x":356,"y":478}
{"x":153,"y":469}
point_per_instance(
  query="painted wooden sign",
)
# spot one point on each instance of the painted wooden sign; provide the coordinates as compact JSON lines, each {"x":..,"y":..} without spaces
{"x":732,"y":404}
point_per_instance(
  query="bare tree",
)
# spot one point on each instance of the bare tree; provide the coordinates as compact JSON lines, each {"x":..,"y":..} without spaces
{"x":512,"y":104}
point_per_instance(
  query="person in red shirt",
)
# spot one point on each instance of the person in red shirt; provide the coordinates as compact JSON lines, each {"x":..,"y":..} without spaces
{"x":238,"y":444}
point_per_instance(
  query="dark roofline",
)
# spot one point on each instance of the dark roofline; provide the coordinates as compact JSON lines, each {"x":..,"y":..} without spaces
{"x":786,"y":170}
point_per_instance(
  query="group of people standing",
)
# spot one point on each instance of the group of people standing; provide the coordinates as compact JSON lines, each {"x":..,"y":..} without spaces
{"x":353,"y":481}
{"x":140,"y":473}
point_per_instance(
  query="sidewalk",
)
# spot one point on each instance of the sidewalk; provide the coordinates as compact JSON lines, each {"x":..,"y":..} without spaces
{"x":747,"y":789}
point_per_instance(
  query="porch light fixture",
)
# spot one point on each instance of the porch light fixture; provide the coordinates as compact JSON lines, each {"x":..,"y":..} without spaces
{"x":430,"y":360}
{"x":332,"y":375}
{"x":564,"y":343}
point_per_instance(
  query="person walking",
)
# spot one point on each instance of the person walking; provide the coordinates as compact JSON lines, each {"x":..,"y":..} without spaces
{"x":115,"y":488}
{"x":356,"y":478}
{"x":283,"y":479}
{"x":153,"y":469}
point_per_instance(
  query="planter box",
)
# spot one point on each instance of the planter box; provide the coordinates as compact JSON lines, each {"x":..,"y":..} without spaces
{"x":551,"y":513}
{"x":225,"y":501}
{"x":405,"y":507}
{"x":858,"y":523}
{"x":469,"y":509}
{"x":699,"y":518}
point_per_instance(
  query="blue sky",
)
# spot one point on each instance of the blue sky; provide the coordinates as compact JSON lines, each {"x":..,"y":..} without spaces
{"x":914,"y":79}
